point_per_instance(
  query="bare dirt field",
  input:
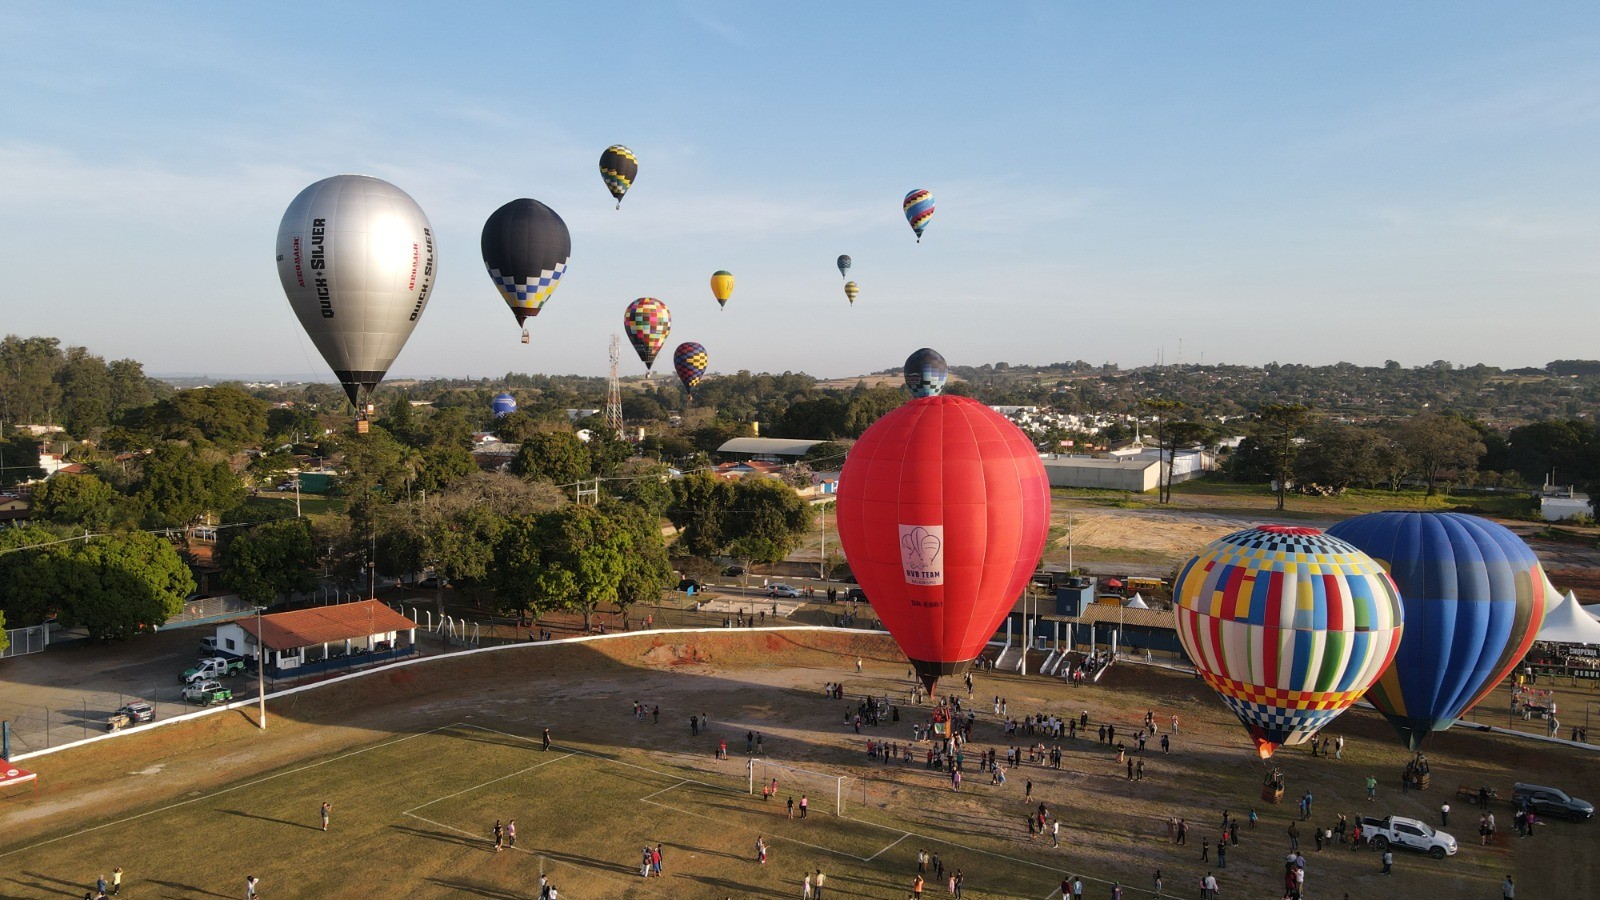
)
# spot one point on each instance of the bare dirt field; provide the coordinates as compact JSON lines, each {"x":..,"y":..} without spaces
{"x":419,"y":761}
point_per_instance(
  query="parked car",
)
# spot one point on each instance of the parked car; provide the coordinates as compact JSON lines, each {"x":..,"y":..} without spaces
{"x":856,"y":593}
{"x":689,"y":584}
{"x":215,"y":667}
{"x":207,"y":691}
{"x":1549,"y":801}
{"x":132,"y":713}
{"x":733,"y":571}
{"x":208,"y":647}
{"x":1408,"y":834}
{"x":782,"y":590}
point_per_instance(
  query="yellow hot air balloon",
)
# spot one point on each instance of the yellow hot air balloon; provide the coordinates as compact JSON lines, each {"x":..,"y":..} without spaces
{"x":722,"y":286}
{"x":850,"y":292}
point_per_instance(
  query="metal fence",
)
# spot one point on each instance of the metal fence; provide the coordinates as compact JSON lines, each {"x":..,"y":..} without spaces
{"x":32,"y":639}
{"x":40,"y":728}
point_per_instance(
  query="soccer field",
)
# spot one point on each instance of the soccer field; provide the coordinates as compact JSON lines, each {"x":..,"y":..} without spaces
{"x":418,"y":811}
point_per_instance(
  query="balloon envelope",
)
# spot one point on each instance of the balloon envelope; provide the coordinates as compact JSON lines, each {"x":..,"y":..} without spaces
{"x":1289,"y":625}
{"x":647,"y":322}
{"x":1475,"y":597}
{"x":503,"y":405}
{"x":943,"y":509}
{"x":690,"y":360}
{"x":919,"y":210}
{"x":850,"y":292}
{"x":722,"y":286}
{"x":525,"y":248}
{"x":844,"y":265}
{"x":357,"y":262}
{"x":618,"y":168}
{"x":926,"y":372}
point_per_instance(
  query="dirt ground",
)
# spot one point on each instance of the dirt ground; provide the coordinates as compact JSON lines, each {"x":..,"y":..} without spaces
{"x":770,"y":681}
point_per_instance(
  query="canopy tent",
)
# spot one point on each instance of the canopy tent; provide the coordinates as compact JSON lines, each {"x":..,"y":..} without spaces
{"x":1567,"y":623}
{"x":1593,"y":609}
{"x":1137,"y":602}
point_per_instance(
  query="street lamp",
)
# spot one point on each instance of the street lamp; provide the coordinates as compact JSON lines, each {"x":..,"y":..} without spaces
{"x":261,"y":667}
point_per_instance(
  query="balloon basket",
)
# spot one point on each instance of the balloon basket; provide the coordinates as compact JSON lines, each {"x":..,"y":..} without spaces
{"x":1272,"y":794}
{"x":525,"y":338}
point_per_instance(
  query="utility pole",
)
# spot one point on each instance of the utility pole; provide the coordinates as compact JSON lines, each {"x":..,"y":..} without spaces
{"x":261,"y":668}
{"x":822,"y":554}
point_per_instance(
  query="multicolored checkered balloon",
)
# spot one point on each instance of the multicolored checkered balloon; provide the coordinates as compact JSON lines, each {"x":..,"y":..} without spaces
{"x":647,"y":322}
{"x":1289,"y":625}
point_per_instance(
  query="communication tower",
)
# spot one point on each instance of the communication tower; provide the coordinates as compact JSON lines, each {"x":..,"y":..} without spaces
{"x":614,"y":392}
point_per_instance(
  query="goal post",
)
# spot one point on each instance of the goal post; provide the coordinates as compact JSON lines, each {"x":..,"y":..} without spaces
{"x":793,"y":782}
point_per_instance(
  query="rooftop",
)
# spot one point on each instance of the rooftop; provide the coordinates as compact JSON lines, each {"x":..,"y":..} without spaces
{"x":326,"y":624}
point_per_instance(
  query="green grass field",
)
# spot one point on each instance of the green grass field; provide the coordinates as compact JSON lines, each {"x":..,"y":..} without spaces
{"x":421,"y":807}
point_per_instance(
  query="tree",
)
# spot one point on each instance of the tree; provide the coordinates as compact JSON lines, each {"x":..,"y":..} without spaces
{"x":269,"y":560}
{"x":645,"y":484}
{"x":1438,"y":443}
{"x":1338,"y":456}
{"x":699,"y":510}
{"x":223,"y":415}
{"x":1163,"y":411}
{"x":68,"y":498}
{"x":179,"y":485}
{"x":769,"y":517}
{"x":827,"y":456}
{"x":28,"y":391}
{"x":19,"y":460}
{"x":1180,"y":436}
{"x":85,"y":392}
{"x":1277,"y":429}
{"x":114,"y":585}
{"x":5,"y":637}
{"x":646,"y":571}
{"x":554,"y":456}
{"x":293,"y":424}
{"x":573,"y":558}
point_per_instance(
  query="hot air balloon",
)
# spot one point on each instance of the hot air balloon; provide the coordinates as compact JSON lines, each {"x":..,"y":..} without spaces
{"x":1475,"y":597}
{"x":844,"y":265}
{"x":525,"y":248}
{"x":356,"y":258}
{"x":618,"y":167}
{"x":943,"y":509}
{"x":1288,"y":625}
{"x":926,"y":372}
{"x":647,"y":322}
{"x":722,"y":287}
{"x":850,"y":292}
{"x":503,"y":405}
{"x":690,"y":360}
{"x":919,"y":210}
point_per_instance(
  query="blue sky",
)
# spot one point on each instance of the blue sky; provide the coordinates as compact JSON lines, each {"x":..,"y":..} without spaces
{"x":1263,"y":181}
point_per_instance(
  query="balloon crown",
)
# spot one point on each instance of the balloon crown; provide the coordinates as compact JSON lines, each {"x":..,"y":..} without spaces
{"x":1299,"y":530}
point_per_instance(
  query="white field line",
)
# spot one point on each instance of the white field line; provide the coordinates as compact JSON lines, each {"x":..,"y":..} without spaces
{"x":888,"y":847}
{"x":646,"y":797}
{"x":475,"y":787}
{"x":226,"y":790}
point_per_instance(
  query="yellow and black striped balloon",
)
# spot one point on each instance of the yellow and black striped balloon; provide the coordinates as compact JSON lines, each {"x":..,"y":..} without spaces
{"x":619,"y":167}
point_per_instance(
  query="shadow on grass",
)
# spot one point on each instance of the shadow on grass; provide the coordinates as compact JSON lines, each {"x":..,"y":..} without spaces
{"x":476,"y":890}
{"x":585,"y":862}
{"x":244,"y":815}
{"x":447,"y":837}
{"x":189,"y":890}
{"x":67,"y":887}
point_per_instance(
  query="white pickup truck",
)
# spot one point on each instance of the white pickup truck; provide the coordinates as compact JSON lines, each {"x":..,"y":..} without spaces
{"x":1407,"y":834}
{"x":215,"y":667}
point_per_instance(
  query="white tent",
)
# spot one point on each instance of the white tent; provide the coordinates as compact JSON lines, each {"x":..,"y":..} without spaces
{"x":1137,"y":603}
{"x":1593,"y":609}
{"x":1567,"y":623}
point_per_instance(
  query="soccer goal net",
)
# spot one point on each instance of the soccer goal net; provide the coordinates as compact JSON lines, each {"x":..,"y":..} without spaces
{"x":778,"y":783}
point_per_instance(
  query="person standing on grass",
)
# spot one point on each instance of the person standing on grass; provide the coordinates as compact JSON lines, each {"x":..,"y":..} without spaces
{"x":916,"y":887}
{"x":1055,"y":833}
{"x":804,"y":805}
{"x":499,"y":836}
{"x":511,"y":834}
{"x":1077,"y":888}
{"x":116,"y":881}
{"x":100,"y":886}
{"x":805,"y":887}
{"x":1157,"y":882}
{"x":655,"y":860}
{"x":327,"y":810}
{"x":820,"y":881}
{"x":791,"y":813}
{"x":251,"y":884}
{"x":546,"y":740}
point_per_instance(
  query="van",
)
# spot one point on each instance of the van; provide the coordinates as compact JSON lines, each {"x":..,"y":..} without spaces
{"x":1549,"y":801}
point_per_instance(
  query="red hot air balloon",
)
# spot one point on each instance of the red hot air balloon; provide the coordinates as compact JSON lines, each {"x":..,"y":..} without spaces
{"x":943,"y":510}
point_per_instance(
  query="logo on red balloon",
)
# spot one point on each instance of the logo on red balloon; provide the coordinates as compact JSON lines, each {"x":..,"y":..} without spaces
{"x":919,"y":553}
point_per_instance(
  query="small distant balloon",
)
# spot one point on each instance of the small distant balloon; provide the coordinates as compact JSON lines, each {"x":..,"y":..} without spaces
{"x":503,"y":405}
{"x":618,"y":167}
{"x":690,"y":360}
{"x":926,"y":372}
{"x":844,"y":265}
{"x":722,"y":286}
{"x":850,"y":292}
{"x":919,"y":210}
{"x":647,"y":322}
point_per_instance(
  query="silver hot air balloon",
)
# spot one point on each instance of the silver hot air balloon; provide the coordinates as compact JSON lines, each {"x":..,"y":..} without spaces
{"x":356,"y":256}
